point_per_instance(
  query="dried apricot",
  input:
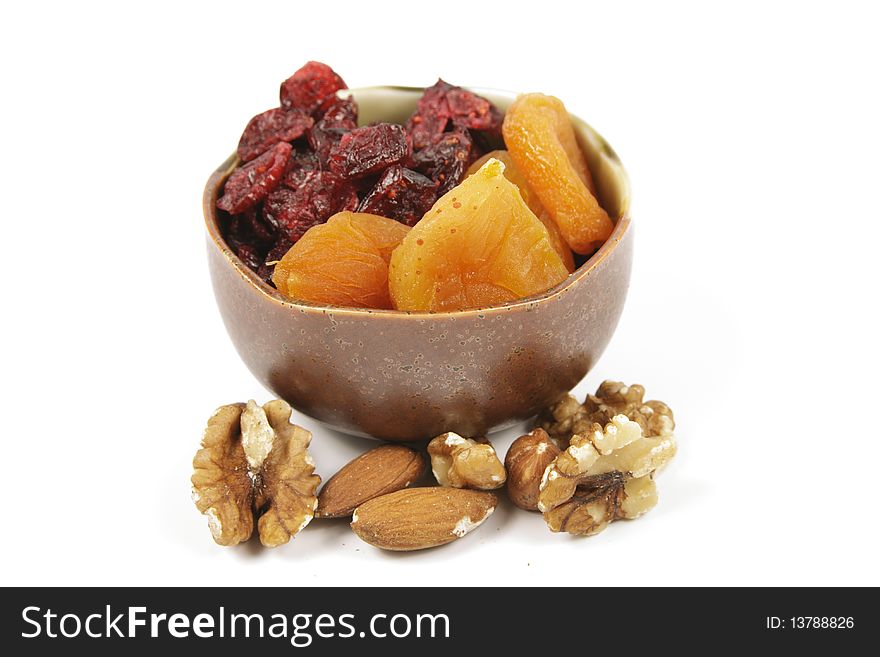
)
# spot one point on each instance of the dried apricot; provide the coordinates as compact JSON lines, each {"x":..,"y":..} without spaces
{"x":542,"y":143}
{"x":514,"y":175}
{"x":478,"y":246}
{"x":343,"y":262}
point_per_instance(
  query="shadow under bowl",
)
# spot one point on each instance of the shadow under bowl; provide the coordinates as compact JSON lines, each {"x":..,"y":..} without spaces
{"x":411,"y":376}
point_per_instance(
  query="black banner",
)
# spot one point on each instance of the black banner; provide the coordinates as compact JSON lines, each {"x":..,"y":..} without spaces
{"x":431,"y":621}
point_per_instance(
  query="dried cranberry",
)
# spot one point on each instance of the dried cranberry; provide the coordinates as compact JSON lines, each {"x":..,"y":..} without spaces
{"x":238,"y":229}
{"x":423,"y":128}
{"x":446,"y":159}
{"x":266,"y":267}
{"x":249,"y":237}
{"x":444,"y":103}
{"x":469,"y":110}
{"x":251,"y":183}
{"x":248,"y":227}
{"x":312,"y":88}
{"x":341,"y":114}
{"x":481,"y":116}
{"x":267,"y":129}
{"x":369,"y":150}
{"x":401,"y":194}
{"x":340,"y":117}
{"x":261,"y":230}
{"x":485,"y":141}
{"x":300,"y":159}
{"x":248,"y":253}
{"x":322,"y":141}
{"x":308,"y":198}
{"x":431,"y":115}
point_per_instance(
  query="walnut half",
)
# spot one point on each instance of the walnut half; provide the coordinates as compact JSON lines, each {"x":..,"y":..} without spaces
{"x":605,"y":473}
{"x":600,"y":501}
{"x":254,"y":464}
{"x":465,"y":462}
{"x":567,"y":417}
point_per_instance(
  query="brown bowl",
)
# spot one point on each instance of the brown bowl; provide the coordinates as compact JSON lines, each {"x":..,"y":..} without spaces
{"x":411,"y":376}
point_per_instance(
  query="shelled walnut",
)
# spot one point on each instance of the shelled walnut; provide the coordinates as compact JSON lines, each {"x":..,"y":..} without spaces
{"x":465,"y":462}
{"x":567,"y":417}
{"x":604,"y":474}
{"x":603,"y":500}
{"x":254,"y":464}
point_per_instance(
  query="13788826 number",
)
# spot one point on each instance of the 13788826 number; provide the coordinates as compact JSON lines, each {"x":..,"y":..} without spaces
{"x":821,"y":622}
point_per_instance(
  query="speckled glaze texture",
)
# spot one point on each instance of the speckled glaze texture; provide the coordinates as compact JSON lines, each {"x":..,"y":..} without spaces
{"x":411,"y":376}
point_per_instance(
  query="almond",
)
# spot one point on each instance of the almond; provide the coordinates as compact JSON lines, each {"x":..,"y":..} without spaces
{"x":419,"y":518}
{"x":382,"y":470}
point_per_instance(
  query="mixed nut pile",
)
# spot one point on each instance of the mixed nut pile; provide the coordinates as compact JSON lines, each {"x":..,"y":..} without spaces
{"x":461,"y":207}
{"x":583,"y":466}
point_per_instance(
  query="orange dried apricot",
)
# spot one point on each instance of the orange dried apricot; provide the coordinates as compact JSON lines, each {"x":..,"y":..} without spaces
{"x":541,"y":141}
{"x":343,"y":262}
{"x":514,"y":175}
{"x":480,"y":245}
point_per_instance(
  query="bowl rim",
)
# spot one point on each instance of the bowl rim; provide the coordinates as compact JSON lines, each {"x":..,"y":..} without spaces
{"x":621,"y":225}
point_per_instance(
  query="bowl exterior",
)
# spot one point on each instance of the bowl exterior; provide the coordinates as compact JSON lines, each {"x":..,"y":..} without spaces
{"x":407,"y":377}
{"x":412,"y":377}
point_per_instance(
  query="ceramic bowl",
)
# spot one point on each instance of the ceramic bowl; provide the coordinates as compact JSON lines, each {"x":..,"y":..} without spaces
{"x":411,"y":376}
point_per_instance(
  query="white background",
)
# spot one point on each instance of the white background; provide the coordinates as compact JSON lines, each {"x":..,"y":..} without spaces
{"x":751,"y":137}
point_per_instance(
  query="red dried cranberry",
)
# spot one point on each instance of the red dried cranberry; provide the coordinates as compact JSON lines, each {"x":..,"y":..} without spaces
{"x":261,"y":230}
{"x":423,"y":128}
{"x":312,"y":88}
{"x":485,"y":141}
{"x":340,"y":117}
{"x":481,"y":116}
{"x":368,"y":150}
{"x":249,"y":227}
{"x":266,"y":267}
{"x":401,"y":194}
{"x":308,"y":198}
{"x":446,"y":159}
{"x":469,"y":110}
{"x":341,"y":114}
{"x":443,"y":103}
{"x":251,"y":183}
{"x":301,"y":158}
{"x":249,"y":237}
{"x":431,"y":115}
{"x":238,"y":229}
{"x":322,"y":141}
{"x":249,"y":254}
{"x":267,"y":129}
